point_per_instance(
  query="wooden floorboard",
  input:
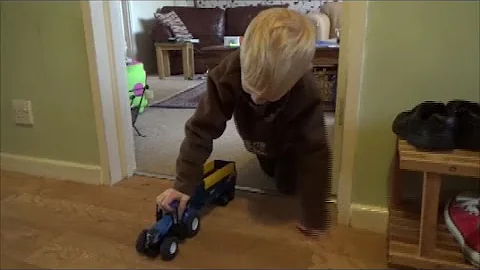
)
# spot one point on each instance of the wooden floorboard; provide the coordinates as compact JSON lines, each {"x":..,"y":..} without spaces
{"x":47,"y":223}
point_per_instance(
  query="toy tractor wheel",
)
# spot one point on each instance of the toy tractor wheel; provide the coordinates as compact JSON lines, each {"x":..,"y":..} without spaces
{"x":169,"y":248}
{"x":231,"y":194}
{"x":143,"y":248}
{"x":222,"y":200}
{"x":192,"y":224}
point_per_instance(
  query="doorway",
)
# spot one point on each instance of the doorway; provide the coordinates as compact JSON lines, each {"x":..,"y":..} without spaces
{"x":118,"y":117}
{"x":159,"y":124}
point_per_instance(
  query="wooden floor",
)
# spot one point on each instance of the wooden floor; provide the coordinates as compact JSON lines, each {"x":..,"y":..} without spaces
{"x":58,"y":224}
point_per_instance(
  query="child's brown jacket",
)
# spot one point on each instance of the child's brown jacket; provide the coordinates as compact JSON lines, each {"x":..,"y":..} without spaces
{"x":294,"y":126}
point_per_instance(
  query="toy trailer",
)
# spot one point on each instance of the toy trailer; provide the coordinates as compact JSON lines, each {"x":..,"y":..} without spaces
{"x":217,"y":187}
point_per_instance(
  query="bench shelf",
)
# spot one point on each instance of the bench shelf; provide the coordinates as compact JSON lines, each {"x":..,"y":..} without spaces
{"x":417,"y":235}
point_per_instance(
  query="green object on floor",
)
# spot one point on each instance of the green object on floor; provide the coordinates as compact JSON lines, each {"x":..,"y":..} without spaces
{"x":136,"y":79}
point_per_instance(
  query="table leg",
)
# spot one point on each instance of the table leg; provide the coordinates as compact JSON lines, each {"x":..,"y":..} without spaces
{"x":396,"y":182}
{"x":191,"y":59}
{"x":160,"y":63}
{"x":428,"y":224}
{"x":166,"y":63}
{"x":186,"y":61}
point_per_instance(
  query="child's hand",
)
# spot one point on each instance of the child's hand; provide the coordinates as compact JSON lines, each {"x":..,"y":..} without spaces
{"x":168,"y":196}
{"x":311,"y":233}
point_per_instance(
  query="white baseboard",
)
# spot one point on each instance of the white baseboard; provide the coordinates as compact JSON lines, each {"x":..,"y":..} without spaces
{"x":368,"y":217}
{"x":57,"y":169}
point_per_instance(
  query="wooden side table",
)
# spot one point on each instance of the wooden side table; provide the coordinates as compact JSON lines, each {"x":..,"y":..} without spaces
{"x":163,"y":58}
{"x":417,"y":236}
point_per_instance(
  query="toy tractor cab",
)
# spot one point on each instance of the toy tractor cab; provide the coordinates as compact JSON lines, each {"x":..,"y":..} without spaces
{"x":170,"y":228}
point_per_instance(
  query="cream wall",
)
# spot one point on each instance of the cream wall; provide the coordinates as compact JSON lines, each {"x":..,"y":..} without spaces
{"x":415,"y":51}
{"x":44,"y":60}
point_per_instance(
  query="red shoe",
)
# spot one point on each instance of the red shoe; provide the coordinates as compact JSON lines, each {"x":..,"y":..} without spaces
{"x":462,"y":217}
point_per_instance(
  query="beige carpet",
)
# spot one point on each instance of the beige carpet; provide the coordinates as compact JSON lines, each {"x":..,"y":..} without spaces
{"x":163,"y":89}
{"x":164,"y":130}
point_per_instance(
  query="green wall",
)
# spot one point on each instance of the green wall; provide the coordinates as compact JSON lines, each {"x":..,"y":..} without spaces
{"x":44,"y":60}
{"x":415,"y":51}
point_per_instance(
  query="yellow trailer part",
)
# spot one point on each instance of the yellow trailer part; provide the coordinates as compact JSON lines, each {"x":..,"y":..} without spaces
{"x":208,"y":167}
{"x":219,"y":175}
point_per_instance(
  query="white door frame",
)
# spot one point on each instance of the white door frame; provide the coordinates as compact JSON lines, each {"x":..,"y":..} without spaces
{"x":105,"y":39}
{"x":350,"y":80}
{"x":105,"y":42}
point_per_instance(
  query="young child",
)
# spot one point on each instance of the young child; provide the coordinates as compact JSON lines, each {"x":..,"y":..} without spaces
{"x":269,"y":89}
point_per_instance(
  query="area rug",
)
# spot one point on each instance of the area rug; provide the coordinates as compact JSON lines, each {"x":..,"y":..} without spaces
{"x":187,"y":99}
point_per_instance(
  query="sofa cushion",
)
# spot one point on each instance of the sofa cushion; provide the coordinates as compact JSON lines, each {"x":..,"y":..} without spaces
{"x":334,"y":12}
{"x":238,"y":18}
{"x":160,"y":32}
{"x":175,"y":24}
{"x":322,"y":23}
{"x":206,"y":24}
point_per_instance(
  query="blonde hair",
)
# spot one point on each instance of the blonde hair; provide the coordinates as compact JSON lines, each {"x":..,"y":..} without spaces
{"x":277,"y":50}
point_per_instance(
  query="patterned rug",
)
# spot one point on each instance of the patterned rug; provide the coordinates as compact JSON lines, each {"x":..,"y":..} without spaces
{"x":187,"y":99}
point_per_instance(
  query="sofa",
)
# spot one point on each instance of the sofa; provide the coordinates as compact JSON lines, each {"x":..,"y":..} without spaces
{"x":209,"y":25}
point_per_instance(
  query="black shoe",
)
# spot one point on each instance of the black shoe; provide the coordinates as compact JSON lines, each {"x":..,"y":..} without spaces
{"x":467,"y":133}
{"x":427,"y":126}
{"x":401,"y":124}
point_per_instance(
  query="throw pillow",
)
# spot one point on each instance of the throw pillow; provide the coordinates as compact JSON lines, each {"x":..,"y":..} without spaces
{"x":175,"y":24}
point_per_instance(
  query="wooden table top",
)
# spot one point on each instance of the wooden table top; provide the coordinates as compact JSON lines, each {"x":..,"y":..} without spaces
{"x":172,"y":44}
{"x":224,"y":48}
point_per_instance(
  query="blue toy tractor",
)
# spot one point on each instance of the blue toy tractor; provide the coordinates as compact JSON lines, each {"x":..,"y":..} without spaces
{"x":217,"y":187}
{"x":164,"y":236}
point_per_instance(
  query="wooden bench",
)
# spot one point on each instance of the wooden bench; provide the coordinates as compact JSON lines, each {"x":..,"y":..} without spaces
{"x":418,"y":237}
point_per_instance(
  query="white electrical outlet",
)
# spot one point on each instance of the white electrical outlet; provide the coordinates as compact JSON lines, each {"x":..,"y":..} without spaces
{"x":22,"y":112}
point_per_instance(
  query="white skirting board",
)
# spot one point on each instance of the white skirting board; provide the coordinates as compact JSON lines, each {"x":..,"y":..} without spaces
{"x":56,"y":169}
{"x":368,"y":217}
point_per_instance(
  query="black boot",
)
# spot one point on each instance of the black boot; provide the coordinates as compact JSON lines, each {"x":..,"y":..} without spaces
{"x":467,"y":133}
{"x":428,"y":126}
{"x":401,"y":124}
